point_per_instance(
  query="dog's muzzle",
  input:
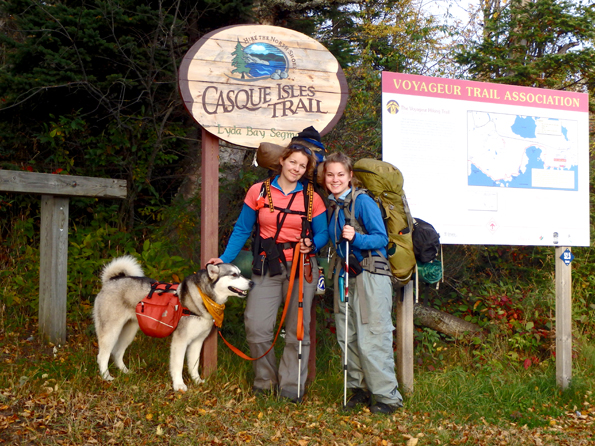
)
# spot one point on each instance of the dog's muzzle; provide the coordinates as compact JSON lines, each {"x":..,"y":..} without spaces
{"x":241,"y":293}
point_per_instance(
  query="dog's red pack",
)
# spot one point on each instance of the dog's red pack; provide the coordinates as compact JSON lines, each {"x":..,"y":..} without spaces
{"x":158,"y":314}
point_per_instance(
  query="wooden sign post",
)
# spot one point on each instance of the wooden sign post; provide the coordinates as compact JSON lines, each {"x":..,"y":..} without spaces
{"x":404,"y":365}
{"x":209,"y":230}
{"x":53,"y":249}
{"x":253,"y":84}
{"x":563,"y":317}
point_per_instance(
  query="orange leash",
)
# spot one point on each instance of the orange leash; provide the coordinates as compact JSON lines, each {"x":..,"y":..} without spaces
{"x":241,"y":354}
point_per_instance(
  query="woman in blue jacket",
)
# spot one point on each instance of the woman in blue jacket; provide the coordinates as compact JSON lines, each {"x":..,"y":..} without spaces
{"x":370,"y":359}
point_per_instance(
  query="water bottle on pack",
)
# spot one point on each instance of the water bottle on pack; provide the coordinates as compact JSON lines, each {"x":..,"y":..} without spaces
{"x":320,"y":288}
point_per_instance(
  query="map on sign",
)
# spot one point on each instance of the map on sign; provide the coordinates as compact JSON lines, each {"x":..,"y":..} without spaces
{"x":507,"y":150}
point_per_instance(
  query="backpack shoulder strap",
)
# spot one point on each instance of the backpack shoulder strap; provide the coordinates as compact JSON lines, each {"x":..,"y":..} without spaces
{"x":353,"y":221}
{"x":309,"y":200}
{"x":308,"y":193}
{"x":266,"y":185}
{"x":358,"y":224}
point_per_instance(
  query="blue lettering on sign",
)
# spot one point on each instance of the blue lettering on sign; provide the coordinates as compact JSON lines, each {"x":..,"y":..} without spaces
{"x":567,"y":257}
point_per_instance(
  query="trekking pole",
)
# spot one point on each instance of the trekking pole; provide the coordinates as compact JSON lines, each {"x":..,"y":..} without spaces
{"x":306,"y":232}
{"x":300,"y":321}
{"x":346,"y":324}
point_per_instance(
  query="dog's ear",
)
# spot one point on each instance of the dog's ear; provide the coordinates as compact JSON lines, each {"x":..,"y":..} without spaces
{"x":212,"y":271}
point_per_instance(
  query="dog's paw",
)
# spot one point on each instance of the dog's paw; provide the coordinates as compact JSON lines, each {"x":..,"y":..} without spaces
{"x":125,"y":369}
{"x":107,"y":377}
{"x":197,"y":379}
{"x":180,"y":387}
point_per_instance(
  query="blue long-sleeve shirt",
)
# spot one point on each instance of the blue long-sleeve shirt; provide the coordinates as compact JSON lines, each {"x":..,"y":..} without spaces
{"x":367,"y":213}
{"x":247,"y":219}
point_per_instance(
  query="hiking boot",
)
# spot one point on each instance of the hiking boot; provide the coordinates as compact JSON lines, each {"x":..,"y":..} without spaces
{"x":260,"y":392}
{"x":358,"y":396}
{"x":290,"y":396}
{"x":384,"y":408}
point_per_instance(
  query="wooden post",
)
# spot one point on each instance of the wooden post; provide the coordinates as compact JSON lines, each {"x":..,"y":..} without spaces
{"x":209,"y":230}
{"x":405,"y":338}
{"x":563,"y":320}
{"x":55,"y":190}
{"x":53,"y":251}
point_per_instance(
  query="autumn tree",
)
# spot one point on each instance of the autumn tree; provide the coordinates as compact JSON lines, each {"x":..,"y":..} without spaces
{"x":382,"y":35}
{"x":539,"y":43}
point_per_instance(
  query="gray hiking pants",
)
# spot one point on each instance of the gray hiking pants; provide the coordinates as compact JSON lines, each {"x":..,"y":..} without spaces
{"x":370,"y":357}
{"x":264,"y":300}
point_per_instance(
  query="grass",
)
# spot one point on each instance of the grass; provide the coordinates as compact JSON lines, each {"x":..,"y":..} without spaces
{"x":53,"y":396}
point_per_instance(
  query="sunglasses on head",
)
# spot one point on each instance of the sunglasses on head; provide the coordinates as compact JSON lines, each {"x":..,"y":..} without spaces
{"x":302,"y":148}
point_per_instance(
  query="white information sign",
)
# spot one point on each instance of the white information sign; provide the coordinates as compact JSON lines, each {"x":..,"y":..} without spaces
{"x":490,"y":163}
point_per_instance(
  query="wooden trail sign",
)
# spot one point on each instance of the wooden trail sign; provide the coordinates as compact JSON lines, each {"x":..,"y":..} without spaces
{"x":53,"y":249}
{"x":248,"y":84}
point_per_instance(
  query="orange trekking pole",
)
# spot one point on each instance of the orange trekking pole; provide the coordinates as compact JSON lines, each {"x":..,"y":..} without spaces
{"x":302,"y":259}
{"x":300,"y":321}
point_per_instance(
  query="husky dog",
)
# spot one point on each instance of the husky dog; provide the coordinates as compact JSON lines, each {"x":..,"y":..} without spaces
{"x":124,"y":286}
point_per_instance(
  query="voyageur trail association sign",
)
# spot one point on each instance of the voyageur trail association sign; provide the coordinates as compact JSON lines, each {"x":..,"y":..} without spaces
{"x":248,"y":84}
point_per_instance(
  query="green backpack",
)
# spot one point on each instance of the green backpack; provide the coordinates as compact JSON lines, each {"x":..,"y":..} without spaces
{"x":384,"y":182}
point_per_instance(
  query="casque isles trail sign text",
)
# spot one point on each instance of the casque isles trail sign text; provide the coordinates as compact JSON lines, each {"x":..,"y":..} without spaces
{"x":249,"y":84}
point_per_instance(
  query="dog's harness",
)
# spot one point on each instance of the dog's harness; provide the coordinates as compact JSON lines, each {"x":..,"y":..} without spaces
{"x":159,"y":313}
{"x":165,"y":288}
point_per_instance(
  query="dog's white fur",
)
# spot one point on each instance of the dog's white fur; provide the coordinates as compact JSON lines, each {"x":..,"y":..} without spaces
{"x":124,"y":285}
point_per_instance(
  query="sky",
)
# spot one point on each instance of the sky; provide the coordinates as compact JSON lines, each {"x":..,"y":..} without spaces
{"x":456,"y":8}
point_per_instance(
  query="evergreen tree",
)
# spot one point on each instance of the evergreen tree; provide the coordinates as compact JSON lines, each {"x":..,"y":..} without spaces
{"x":239,"y":61}
{"x":90,"y":88}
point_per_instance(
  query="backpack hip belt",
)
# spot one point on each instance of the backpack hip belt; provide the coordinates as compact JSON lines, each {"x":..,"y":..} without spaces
{"x":270,"y":257}
{"x":376,"y":265}
{"x":362,"y":296}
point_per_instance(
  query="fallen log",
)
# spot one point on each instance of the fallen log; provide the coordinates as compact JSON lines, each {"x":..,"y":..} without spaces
{"x":444,"y":322}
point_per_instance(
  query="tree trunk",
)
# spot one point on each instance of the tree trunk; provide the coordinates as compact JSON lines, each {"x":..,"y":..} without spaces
{"x":444,"y":323}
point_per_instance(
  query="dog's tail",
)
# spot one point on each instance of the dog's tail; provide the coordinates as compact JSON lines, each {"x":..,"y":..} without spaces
{"x":120,"y":267}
